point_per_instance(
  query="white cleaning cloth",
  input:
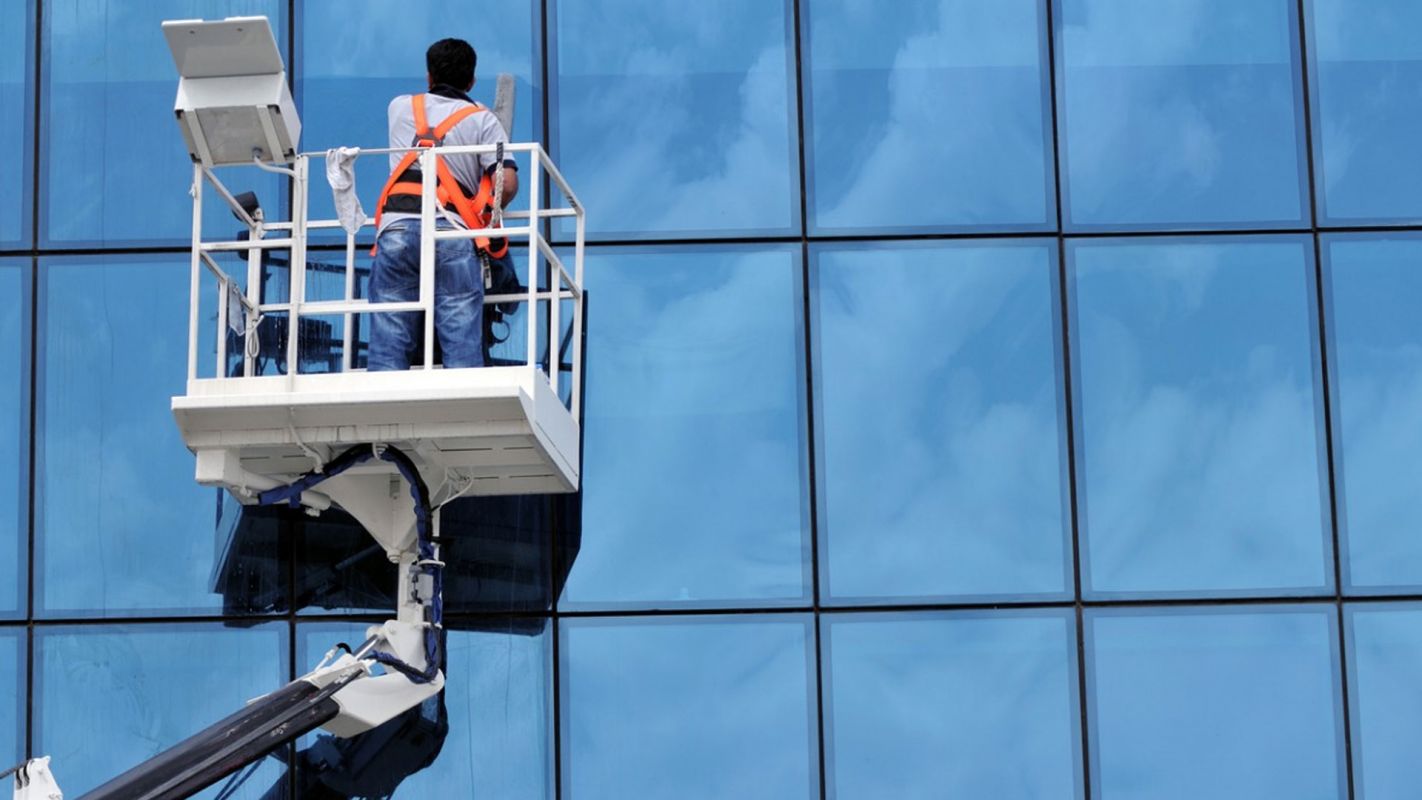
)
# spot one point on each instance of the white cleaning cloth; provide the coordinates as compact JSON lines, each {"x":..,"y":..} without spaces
{"x":340,"y":173}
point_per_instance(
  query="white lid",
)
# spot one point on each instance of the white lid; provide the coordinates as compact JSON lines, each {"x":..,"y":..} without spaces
{"x":218,"y":48}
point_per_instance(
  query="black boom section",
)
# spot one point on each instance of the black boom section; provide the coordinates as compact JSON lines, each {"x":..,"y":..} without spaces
{"x":229,"y":745}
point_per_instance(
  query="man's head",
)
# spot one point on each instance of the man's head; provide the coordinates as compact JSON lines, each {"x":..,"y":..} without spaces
{"x":451,"y":62}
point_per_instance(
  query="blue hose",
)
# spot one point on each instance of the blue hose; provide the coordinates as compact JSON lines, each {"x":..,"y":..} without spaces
{"x":424,"y":532}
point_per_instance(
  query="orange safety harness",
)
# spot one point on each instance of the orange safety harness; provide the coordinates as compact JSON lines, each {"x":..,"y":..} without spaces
{"x":406,"y":179}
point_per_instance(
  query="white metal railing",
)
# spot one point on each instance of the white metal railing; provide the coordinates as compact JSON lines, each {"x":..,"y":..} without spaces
{"x":564,"y":285}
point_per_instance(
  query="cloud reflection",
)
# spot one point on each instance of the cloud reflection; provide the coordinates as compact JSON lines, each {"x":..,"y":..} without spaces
{"x":940,"y":424}
{"x":1368,"y":108}
{"x":1215,"y":704}
{"x":11,"y":676}
{"x":694,"y":438}
{"x":13,"y":430}
{"x":1377,"y":367}
{"x":934,"y":122}
{"x":124,"y":527}
{"x":701,"y":709}
{"x":1180,"y":112}
{"x":676,"y":118}
{"x":952,"y":706}
{"x":14,"y":116}
{"x":140,"y":689}
{"x":1200,"y":427}
{"x":108,"y":133}
{"x":1385,"y":697}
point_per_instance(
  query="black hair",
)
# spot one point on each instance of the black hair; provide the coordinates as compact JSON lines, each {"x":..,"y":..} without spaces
{"x":451,"y":62}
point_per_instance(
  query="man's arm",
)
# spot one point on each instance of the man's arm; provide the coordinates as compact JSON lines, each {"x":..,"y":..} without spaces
{"x":492,"y":133}
{"x":510,"y":184}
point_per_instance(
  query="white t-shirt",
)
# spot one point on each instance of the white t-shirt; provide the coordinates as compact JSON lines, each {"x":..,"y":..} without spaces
{"x":481,"y":127}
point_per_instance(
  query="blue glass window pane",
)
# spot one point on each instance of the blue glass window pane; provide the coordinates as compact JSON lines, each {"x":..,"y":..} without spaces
{"x":694,"y":442}
{"x":497,"y":702}
{"x":952,"y":705}
{"x":1376,"y":370}
{"x":114,"y":166}
{"x":14,"y":434}
{"x":677,"y":119}
{"x":16,"y":110}
{"x":123,"y":527}
{"x":1215,"y":704}
{"x":1183,"y":114}
{"x":12,"y":696}
{"x":932,"y":116}
{"x":1365,"y":62}
{"x":957,"y":487}
{"x":356,"y":57}
{"x":109,"y":697}
{"x":698,"y":709}
{"x":1385,"y":700}
{"x":1201,"y":426}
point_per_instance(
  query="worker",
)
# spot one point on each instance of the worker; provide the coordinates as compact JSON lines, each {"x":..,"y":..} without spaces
{"x":443,"y":115}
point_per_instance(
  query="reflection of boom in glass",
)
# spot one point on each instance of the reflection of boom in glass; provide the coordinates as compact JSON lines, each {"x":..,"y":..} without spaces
{"x":288,"y":420}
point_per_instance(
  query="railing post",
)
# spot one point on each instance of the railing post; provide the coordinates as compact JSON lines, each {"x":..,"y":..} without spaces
{"x":347,"y":334}
{"x":223,"y":295}
{"x":427,"y":251}
{"x":297,"y":293}
{"x":254,"y":299}
{"x":555,"y":305}
{"x":195,"y":280}
{"x":577,"y":376}
{"x":535,"y":218}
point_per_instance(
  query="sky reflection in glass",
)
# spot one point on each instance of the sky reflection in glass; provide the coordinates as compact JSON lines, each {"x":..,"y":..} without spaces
{"x":1384,"y":659}
{"x":676,"y":119}
{"x":939,"y":421}
{"x":1235,"y":703}
{"x":702,"y":708}
{"x":14,"y":434}
{"x":358,"y":56}
{"x":694,"y":443}
{"x":931,"y":116}
{"x":122,"y":526}
{"x":1200,"y":440}
{"x":499,"y":705}
{"x":115,"y":170}
{"x":952,"y":705}
{"x":109,"y":697}
{"x":1180,"y":114}
{"x":1374,"y":284}
{"x":12,"y":696}
{"x":16,"y":110}
{"x":1365,"y":63}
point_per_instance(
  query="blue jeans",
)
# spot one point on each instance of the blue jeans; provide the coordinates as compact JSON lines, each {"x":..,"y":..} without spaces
{"x":397,"y":338}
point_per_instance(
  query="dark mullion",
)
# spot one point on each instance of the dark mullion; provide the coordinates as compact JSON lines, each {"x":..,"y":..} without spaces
{"x":753,"y":611}
{"x":288,"y":533}
{"x":31,"y":403}
{"x":1067,"y":386}
{"x":1320,"y":300}
{"x":555,"y":666}
{"x":809,"y":451}
{"x":924,"y":236}
{"x":32,"y":397}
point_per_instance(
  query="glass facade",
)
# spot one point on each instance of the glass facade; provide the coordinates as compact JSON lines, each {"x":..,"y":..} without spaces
{"x":17,"y":77}
{"x":1004,"y":399}
{"x":1215,"y":703}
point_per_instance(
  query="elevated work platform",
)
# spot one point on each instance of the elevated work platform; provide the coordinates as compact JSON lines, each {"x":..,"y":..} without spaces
{"x":498,"y":430}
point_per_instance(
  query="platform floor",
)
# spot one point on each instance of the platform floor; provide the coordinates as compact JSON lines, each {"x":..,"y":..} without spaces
{"x":502,"y":426}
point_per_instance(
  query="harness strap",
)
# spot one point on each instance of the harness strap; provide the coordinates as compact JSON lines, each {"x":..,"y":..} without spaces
{"x":448,"y":190}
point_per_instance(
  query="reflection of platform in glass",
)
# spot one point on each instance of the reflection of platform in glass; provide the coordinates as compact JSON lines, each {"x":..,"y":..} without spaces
{"x":501,"y":427}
